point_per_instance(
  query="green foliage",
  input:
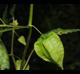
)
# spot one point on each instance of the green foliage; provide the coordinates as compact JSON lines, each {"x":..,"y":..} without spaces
{"x":21,"y":39}
{"x":4,"y":58}
{"x":15,"y":23}
{"x":50,"y":48}
{"x":18,"y":65}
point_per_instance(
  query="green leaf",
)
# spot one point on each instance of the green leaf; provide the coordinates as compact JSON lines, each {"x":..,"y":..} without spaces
{"x":18,"y":64}
{"x":15,"y":23}
{"x":4,"y":58}
{"x":50,"y":48}
{"x":22,"y":40}
{"x":27,"y":68}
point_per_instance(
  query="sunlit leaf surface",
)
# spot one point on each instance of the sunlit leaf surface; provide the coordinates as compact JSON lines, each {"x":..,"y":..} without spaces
{"x":21,"y":39}
{"x":18,"y":64}
{"x":50,"y":48}
{"x":4,"y":58}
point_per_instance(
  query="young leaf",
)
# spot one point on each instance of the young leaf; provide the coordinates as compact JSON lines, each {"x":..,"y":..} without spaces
{"x":22,"y":40}
{"x":15,"y":23}
{"x":50,"y":48}
{"x":4,"y":58}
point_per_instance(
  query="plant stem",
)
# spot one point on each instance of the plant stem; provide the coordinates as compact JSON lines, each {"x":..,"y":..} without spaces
{"x":28,"y":59}
{"x":30,"y":15}
{"x":2,"y":21}
{"x":10,"y":29}
{"x":12,"y":43}
{"x":11,"y":26}
{"x":14,"y":56}
{"x":36,"y":29}
{"x":30,"y":32}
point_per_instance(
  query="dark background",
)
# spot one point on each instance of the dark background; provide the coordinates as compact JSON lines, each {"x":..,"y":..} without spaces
{"x":47,"y":17}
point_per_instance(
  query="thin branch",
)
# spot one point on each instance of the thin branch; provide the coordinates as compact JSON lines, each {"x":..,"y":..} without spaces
{"x":37,"y":29}
{"x":10,"y":29}
{"x":14,"y":56}
{"x":30,"y":15}
{"x":12,"y":45}
{"x":29,"y":35}
{"x":28,"y":60}
{"x":2,"y":21}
